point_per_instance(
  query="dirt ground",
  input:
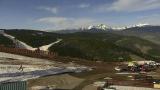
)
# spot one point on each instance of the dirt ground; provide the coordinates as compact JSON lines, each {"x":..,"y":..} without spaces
{"x":63,"y":81}
{"x":99,"y":72}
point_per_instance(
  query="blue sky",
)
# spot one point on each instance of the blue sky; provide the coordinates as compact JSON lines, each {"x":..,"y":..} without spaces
{"x":67,"y":14}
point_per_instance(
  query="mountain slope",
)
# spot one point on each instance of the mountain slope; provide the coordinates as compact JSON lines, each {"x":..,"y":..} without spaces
{"x":92,"y":45}
{"x":151,"y":33}
{"x":105,"y":46}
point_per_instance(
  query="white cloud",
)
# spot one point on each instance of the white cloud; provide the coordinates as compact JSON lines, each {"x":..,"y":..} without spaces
{"x":66,"y":23}
{"x":54,"y":10}
{"x":59,"y":23}
{"x":132,"y":5}
{"x":151,"y":19}
{"x":49,"y":20}
{"x":84,"y":5}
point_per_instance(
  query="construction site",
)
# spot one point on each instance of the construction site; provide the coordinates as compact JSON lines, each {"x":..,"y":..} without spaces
{"x":74,"y":74}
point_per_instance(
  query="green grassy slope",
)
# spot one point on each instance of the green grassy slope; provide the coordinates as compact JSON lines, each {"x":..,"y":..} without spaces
{"x":105,"y":46}
{"x":151,"y":33}
{"x":94,"y":46}
{"x":90,"y":46}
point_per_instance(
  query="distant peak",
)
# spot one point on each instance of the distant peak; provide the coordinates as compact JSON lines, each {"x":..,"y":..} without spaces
{"x":105,"y":27}
{"x":100,"y":26}
{"x":142,"y":24}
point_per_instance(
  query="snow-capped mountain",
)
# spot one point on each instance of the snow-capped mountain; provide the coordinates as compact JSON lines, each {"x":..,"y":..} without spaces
{"x":138,"y":25}
{"x":142,"y":25}
{"x":105,"y":27}
{"x":100,"y":26}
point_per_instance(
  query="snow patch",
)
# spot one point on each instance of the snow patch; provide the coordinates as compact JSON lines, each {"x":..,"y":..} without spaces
{"x":34,"y":68}
{"x":21,"y":44}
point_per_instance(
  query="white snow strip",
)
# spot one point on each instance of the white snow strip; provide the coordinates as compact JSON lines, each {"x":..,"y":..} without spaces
{"x":21,"y":44}
{"x":46,"y":47}
{"x":21,"y":76}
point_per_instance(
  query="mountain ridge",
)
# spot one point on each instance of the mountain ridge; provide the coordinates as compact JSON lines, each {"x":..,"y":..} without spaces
{"x":106,"y":46}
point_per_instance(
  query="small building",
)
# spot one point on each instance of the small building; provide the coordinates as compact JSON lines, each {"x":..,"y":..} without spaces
{"x":19,"y":85}
{"x":156,"y":84}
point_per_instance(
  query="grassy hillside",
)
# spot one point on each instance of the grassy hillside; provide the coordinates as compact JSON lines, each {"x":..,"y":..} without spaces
{"x":90,"y":46}
{"x":140,"y":47}
{"x":104,"y":46}
{"x":151,"y":33}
